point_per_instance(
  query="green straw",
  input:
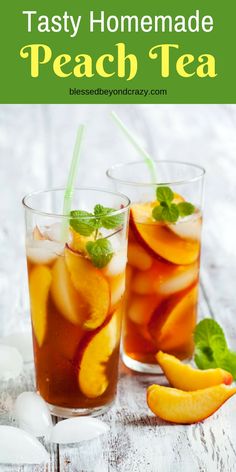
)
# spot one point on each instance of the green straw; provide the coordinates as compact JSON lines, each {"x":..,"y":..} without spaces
{"x":147,"y":158}
{"x":69,"y":191}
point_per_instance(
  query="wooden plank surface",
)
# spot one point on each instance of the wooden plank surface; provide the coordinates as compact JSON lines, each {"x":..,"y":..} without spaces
{"x":35,"y":149}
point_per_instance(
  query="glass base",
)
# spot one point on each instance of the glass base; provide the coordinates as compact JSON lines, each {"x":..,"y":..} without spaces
{"x":72,"y":412}
{"x":141,"y":366}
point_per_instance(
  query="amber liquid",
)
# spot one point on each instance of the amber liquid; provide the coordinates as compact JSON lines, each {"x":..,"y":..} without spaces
{"x":162,"y":290}
{"x":76,"y":348}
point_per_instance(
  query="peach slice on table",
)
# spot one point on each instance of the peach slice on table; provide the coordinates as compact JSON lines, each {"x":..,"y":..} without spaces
{"x":91,"y":285}
{"x":177,"y":406}
{"x":172,"y":323}
{"x":69,"y":302}
{"x":92,"y":376}
{"x":185,"y":377}
{"x":159,"y":240}
{"x":40,"y":280}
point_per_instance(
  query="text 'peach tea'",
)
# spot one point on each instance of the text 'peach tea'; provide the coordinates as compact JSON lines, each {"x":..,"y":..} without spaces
{"x":163,"y":260}
{"x":76,"y":269}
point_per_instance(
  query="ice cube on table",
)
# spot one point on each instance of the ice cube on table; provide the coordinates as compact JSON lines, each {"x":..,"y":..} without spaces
{"x":32,"y":414}
{"x":11,"y":362}
{"x":43,"y":251}
{"x":22,"y":342}
{"x":19,"y":447}
{"x":74,"y":430}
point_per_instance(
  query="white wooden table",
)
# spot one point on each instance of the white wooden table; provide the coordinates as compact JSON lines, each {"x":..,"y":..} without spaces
{"x":35,"y":148}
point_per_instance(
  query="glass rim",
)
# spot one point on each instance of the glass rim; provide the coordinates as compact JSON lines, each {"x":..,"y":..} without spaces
{"x":151,"y":184}
{"x":62,"y":189}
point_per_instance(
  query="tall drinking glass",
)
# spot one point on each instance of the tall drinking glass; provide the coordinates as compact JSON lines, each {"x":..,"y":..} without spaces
{"x":163,"y":260}
{"x":76,"y":269}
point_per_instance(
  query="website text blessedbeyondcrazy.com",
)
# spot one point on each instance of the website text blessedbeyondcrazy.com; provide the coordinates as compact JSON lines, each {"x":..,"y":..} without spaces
{"x":116,"y":91}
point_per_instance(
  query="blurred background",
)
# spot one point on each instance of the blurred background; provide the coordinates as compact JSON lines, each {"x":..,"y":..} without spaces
{"x":36,"y":144}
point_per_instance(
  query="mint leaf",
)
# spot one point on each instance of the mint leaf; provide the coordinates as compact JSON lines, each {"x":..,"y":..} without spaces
{"x":166,"y":212}
{"x":106,"y":220}
{"x":185,"y":209}
{"x":86,"y":223}
{"x":228,"y":362}
{"x":157,"y":213}
{"x":207,"y":356}
{"x":100,"y":252}
{"x":205,"y":329}
{"x":164,"y":194}
{"x":211,"y":348}
{"x":204,"y":358}
{"x":171,"y":213}
{"x":82,"y":222}
{"x":113,"y":221}
{"x":100,"y":210}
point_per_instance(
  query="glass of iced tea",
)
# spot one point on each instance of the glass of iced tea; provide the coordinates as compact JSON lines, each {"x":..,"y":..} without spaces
{"x":76,"y":270}
{"x":163,"y":259}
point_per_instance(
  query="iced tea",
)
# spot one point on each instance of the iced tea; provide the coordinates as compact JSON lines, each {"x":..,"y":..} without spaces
{"x":76,"y":296}
{"x":163,"y":259}
{"x":162,"y":285}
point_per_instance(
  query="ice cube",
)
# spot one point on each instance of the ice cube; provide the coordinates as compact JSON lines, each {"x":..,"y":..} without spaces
{"x":32,"y":414}
{"x":74,"y":430}
{"x":44,"y":251}
{"x":117,"y":289}
{"x":188,"y":228}
{"x":11,"y":362}
{"x":19,"y":447}
{"x":53,"y":232}
{"x":117,"y":264}
{"x":22,"y":342}
{"x":181,"y":279}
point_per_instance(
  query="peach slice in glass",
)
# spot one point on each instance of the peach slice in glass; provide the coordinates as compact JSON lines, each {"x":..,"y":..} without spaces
{"x":138,"y":257}
{"x":91,"y":285}
{"x":92,"y":376}
{"x":67,"y":299}
{"x":185,"y":377}
{"x":177,"y":406}
{"x":172,"y":324}
{"x":159,"y":239}
{"x":40,"y":280}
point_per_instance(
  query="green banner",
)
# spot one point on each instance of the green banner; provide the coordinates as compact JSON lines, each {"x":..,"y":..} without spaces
{"x":117,"y":52}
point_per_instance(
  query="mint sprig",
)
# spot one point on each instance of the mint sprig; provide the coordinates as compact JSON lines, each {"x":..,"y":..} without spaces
{"x":86,"y":223}
{"x":100,"y":252}
{"x":82,"y":222}
{"x":211,"y":349}
{"x":167,"y":210}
